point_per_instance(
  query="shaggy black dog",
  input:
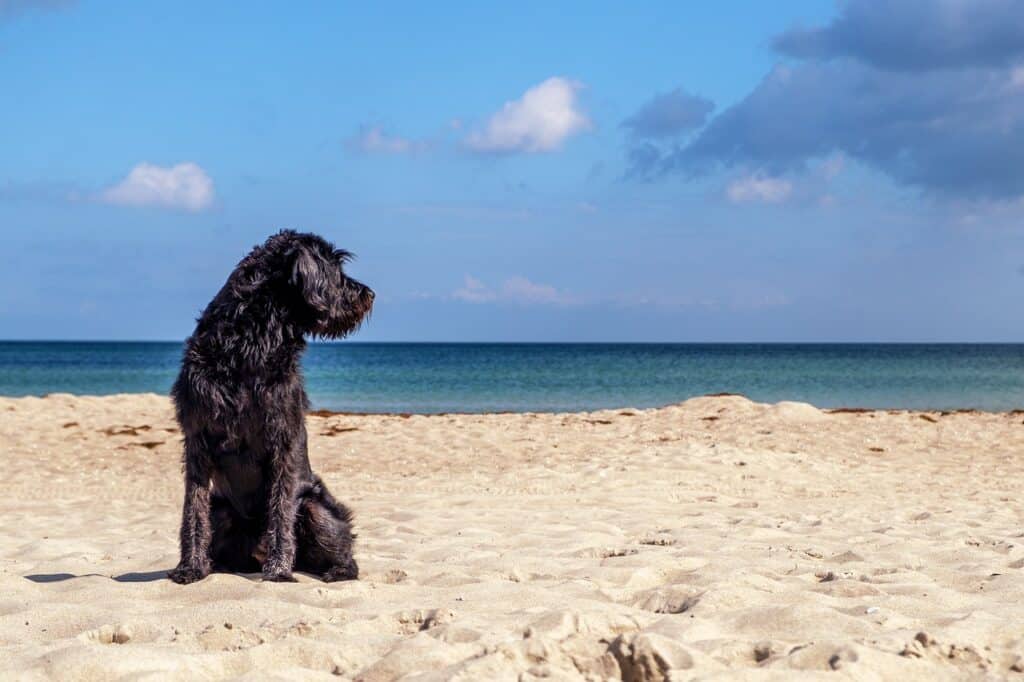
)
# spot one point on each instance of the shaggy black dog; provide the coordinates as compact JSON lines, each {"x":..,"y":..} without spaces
{"x":251,"y":500}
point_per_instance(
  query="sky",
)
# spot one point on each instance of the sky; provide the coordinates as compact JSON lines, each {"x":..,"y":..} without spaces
{"x":728,"y":171}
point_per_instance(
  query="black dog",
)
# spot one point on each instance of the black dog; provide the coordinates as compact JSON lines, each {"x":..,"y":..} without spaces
{"x":251,"y":499}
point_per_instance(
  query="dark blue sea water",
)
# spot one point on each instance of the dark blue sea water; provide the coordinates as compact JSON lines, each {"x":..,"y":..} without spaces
{"x":443,"y":377}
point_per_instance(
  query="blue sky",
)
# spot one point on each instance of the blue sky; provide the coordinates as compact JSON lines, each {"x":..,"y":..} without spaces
{"x":729,"y":171}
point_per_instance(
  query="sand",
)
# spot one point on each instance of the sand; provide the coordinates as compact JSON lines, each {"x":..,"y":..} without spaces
{"x":716,"y":539}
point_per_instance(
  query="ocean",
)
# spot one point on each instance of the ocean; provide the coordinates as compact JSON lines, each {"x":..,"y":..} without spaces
{"x":491,"y":377}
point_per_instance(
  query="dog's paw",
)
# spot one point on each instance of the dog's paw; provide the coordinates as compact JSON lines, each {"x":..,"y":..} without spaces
{"x":279,"y":577}
{"x":278,"y":571}
{"x":349,"y":571}
{"x":184,"y":575}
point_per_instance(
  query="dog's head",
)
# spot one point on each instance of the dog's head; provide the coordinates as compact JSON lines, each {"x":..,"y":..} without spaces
{"x":323,"y":300}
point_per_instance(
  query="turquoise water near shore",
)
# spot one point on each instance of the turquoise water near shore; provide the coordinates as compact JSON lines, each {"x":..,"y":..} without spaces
{"x":454,"y":377}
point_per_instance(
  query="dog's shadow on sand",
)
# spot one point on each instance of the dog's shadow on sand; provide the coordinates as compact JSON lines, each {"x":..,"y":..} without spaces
{"x":144,"y":577}
{"x":134,"y":577}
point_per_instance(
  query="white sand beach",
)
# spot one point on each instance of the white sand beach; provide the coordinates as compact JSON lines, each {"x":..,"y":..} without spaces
{"x":716,"y":539}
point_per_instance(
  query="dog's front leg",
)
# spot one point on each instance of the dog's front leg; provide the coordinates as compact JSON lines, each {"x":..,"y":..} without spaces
{"x":282,"y":507}
{"x":195,"y":516}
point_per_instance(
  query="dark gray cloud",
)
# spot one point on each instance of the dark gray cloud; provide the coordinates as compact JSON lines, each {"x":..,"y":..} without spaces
{"x":956,"y":132}
{"x":669,"y":114}
{"x":952,"y":132}
{"x":915,"y":34}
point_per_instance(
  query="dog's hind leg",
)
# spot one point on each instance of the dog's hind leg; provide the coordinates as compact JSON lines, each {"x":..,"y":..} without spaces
{"x":324,"y":536}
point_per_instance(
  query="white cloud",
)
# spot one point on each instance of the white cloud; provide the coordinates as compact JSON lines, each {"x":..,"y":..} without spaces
{"x":539,"y":121}
{"x":759,"y":188}
{"x":517,"y":289}
{"x":374,"y":140}
{"x":473,"y":291}
{"x":183,"y":186}
{"x":522,"y":290}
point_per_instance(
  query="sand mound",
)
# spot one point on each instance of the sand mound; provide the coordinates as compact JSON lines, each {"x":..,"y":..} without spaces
{"x":787,"y":411}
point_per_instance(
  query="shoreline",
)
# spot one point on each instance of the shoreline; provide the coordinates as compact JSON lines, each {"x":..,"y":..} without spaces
{"x":354,"y":342}
{"x":479,"y":378}
{"x":326,"y":413}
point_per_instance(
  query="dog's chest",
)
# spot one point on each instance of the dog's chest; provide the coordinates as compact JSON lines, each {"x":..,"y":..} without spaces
{"x":239,"y":477}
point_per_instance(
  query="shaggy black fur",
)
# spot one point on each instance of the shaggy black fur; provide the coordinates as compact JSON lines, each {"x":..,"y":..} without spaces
{"x":251,"y":500}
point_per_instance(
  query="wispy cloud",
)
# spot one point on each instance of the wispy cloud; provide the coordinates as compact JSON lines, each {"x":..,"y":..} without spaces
{"x":540,"y":121}
{"x":184,"y":186}
{"x":520,"y":290}
{"x":759,"y":187}
{"x":474,"y":291}
{"x":516,"y":289}
{"x":373,"y":139}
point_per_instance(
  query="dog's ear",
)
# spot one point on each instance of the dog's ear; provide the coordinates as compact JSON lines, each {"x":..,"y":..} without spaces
{"x":310,"y":278}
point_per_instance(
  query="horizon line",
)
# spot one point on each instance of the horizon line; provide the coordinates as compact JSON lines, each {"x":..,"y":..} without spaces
{"x":559,"y":343}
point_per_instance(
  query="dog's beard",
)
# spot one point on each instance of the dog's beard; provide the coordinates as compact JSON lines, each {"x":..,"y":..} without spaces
{"x":352,"y":311}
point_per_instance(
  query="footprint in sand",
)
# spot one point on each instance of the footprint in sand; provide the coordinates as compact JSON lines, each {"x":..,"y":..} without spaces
{"x":673,"y":599}
{"x":109,"y":634}
{"x":421,"y":620}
